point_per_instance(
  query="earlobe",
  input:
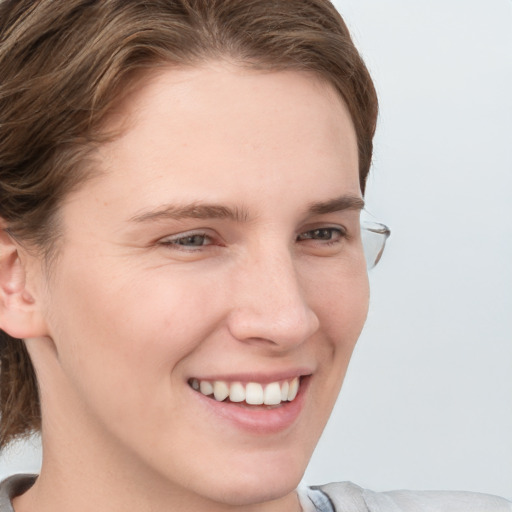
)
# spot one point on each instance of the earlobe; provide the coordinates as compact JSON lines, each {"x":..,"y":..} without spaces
{"x":20,"y":316}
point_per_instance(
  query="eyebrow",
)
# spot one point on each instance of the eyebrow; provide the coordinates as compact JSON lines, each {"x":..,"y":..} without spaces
{"x":198,"y":210}
{"x":194,"y":210}
{"x":347,"y":202}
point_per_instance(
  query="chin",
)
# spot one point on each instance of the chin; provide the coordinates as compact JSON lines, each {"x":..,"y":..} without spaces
{"x":254,"y":489}
{"x":262,"y":479}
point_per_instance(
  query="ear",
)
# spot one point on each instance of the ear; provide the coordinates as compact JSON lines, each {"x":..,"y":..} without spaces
{"x":20,"y":314}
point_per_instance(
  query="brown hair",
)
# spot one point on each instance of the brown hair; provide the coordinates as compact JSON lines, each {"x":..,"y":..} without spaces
{"x":64,"y":65}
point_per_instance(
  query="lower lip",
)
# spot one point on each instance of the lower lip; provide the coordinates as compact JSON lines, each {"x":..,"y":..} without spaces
{"x":258,"y":419}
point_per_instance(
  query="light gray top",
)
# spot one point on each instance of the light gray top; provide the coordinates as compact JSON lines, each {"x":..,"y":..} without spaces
{"x":340,"y":497}
{"x":348,"y":497}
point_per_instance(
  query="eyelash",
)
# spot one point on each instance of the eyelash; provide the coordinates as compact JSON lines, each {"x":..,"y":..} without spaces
{"x":177,"y":243}
{"x":342,"y":234}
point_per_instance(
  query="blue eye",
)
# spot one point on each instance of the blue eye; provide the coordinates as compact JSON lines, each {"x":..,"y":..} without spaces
{"x":192,"y":240}
{"x":332,"y":235}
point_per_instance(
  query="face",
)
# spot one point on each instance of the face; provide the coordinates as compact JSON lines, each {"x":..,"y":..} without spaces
{"x":215,"y":263}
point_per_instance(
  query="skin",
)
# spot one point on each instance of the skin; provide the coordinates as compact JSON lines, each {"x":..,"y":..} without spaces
{"x":126,"y":318}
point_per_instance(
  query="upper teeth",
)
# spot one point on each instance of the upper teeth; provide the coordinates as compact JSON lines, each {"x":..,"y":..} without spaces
{"x":252,"y":393}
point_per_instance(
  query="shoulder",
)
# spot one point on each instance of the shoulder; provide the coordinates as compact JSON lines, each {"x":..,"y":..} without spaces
{"x":348,"y":496}
{"x":14,"y":486}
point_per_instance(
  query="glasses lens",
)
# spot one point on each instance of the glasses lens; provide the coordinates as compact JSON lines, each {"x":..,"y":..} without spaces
{"x":374,"y":236}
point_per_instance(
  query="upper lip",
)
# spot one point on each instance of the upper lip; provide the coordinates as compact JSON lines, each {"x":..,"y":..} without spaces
{"x":260,"y":377}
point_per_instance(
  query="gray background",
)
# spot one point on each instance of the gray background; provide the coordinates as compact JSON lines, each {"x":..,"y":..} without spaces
{"x":427,"y":402}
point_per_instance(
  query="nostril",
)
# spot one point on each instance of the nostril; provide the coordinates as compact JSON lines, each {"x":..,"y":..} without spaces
{"x":284,"y":327}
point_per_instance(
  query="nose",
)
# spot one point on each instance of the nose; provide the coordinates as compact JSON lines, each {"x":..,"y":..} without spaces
{"x":269,"y":304}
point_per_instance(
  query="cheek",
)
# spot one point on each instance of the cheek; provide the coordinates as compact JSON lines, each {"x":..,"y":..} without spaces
{"x":130,"y":311}
{"x":342,"y":308}
{"x":341,"y":303}
{"x":119,"y":335}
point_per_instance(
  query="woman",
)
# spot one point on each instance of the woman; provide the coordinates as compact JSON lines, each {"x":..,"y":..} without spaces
{"x":181,"y":251}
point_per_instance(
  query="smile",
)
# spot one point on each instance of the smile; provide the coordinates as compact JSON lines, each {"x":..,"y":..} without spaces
{"x":252,"y":393}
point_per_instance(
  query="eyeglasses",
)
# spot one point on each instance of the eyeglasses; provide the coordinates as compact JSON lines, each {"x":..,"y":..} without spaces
{"x":373,"y":236}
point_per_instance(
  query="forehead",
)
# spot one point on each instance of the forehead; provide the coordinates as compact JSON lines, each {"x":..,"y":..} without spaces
{"x":221,"y":101}
{"x":226,"y":135}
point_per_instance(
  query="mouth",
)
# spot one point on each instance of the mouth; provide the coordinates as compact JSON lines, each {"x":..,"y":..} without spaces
{"x":258,"y":406}
{"x":271,"y":395}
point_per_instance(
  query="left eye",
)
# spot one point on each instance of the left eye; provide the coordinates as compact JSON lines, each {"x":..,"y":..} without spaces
{"x":322,"y":234}
{"x":193,"y":240}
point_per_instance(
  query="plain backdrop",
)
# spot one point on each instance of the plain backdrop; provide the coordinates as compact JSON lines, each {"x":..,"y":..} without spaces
{"x":427,"y":402}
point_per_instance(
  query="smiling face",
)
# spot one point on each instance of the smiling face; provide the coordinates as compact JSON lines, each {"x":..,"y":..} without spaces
{"x":216,"y":263}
